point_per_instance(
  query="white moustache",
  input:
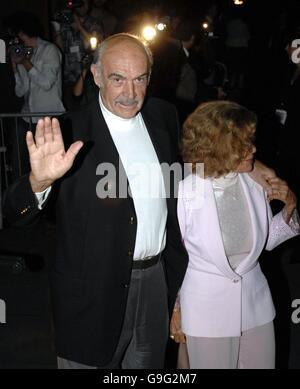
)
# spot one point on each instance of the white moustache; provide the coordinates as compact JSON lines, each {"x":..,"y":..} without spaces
{"x":127,"y":102}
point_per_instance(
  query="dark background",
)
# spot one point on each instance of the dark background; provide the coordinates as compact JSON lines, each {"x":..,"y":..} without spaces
{"x":26,"y":340}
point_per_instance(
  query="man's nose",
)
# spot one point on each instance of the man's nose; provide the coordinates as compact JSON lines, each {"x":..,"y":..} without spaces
{"x":130,"y":89}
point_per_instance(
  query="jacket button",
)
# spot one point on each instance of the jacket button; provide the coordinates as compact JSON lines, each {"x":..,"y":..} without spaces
{"x":26,"y":209}
{"x":131,"y":220}
{"x":130,"y":253}
{"x":126,"y":286}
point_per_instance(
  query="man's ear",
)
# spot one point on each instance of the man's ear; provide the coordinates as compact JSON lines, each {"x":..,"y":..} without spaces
{"x":95,"y":71}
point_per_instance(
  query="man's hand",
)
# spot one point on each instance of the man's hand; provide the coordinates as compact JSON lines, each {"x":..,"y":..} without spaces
{"x":262,"y":175}
{"x":21,"y":60}
{"x":15,"y":60}
{"x":48,"y":158}
{"x":282,"y":192}
{"x":175,"y":326}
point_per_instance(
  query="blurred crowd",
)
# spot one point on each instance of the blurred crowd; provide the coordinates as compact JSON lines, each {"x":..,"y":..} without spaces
{"x":218,"y":54}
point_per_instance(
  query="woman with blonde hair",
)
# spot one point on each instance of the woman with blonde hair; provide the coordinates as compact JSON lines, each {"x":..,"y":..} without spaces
{"x":224,"y":311}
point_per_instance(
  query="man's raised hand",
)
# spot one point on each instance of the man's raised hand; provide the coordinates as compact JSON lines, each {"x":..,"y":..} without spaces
{"x":48,"y":159}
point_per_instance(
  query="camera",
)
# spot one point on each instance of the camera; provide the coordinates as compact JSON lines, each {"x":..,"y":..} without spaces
{"x":87,"y":60}
{"x":18,"y":49}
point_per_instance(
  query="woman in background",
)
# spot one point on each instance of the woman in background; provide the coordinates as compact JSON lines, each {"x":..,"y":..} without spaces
{"x":225,"y":311}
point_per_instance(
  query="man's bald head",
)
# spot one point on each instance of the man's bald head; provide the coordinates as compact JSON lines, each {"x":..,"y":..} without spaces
{"x":122,"y":72}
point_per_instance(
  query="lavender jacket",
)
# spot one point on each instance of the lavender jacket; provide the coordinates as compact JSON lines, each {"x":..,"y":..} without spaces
{"x":215,"y":300}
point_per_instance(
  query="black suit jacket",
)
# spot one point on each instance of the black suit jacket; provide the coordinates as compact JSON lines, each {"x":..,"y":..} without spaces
{"x":96,"y":237}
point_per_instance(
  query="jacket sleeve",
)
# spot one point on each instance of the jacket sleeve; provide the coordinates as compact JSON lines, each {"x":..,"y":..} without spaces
{"x":20,"y":205}
{"x":175,"y":255}
{"x":279,"y":230}
{"x":22,"y":81}
{"x":45,"y":73}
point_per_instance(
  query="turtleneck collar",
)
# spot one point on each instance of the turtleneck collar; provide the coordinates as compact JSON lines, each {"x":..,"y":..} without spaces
{"x":225,"y":181}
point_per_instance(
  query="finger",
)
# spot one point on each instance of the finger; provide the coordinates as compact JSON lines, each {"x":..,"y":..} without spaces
{"x":279,"y":196}
{"x":172,"y":329}
{"x":39,"y":133}
{"x":265,"y":171}
{"x":57,"y":136}
{"x":283,"y":188}
{"x":30,"y":142}
{"x":176,"y":322}
{"x":279,"y":184}
{"x":276,"y":181}
{"x":269,"y":190}
{"x":280,"y":188}
{"x":72,"y":152}
{"x":48,"y":130}
{"x":179,"y":337}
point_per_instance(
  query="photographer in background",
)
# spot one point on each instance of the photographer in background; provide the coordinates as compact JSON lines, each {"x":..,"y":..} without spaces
{"x":37,"y":69}
{"x":73,"y":27}
{"x":85,"y":90}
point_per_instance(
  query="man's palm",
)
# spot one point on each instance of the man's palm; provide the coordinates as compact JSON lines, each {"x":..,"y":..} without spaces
{"x":48,"y":158}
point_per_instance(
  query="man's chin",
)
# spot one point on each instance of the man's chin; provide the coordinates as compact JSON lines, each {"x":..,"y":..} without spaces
{"x":127,"y":112}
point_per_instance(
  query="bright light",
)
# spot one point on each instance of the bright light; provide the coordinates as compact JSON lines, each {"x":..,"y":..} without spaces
{"x":93,"y":42}
{"x":238,"y":2}
{"x":205,"y":26}
{"x":161,"y":26}
{"x":149,"y":33}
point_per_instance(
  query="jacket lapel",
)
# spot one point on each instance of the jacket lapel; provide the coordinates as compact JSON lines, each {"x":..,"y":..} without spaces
{"x":157,"y":134}
{"x":161,"y":143}
{"x":103,"y":147}
{"x":258,"y":214}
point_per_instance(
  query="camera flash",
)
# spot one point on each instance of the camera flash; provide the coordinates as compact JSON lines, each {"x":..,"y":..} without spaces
{"x":149,"y":33}
{"x":93,"y":42}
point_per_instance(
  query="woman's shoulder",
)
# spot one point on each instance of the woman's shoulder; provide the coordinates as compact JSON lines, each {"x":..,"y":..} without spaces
{"x":251,"y":182}
{"x":192,"y":188}
{"x":191,"y":180}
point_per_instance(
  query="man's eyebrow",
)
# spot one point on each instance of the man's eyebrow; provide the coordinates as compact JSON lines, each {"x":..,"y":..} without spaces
{"x":112,"y":75}
{"x":142,"y":75}
{"x":116,"y":75}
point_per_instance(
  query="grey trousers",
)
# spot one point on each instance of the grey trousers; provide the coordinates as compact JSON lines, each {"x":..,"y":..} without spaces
{"x":255,"y":349}
{"x":144,"y":334}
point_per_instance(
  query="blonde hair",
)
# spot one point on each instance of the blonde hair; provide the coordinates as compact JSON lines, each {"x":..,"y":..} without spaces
{"x":218,"y":134}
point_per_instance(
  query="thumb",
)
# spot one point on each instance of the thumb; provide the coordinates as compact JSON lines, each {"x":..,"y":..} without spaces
{"x":73,"y":151}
